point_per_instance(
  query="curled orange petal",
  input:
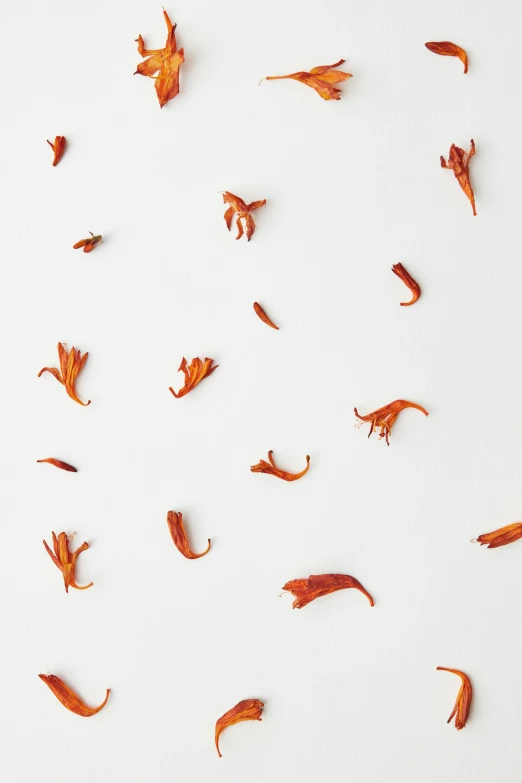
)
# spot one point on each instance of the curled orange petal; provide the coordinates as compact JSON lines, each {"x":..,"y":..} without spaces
{"x":64,"y":560}
{"x":463,"y":701}
{"x":248,"y":709}
{"x":194,"y":374}
{"x":71,"y":364}
{"x":243,"y":210}
{"x":321,"y":79}
{"x":58,"y":148}
{"x":164,"y":62}
{"x":458,"y":162}
{"x":448,"y":49}
{"x":408,"y":280}
{"x":179,"y":535}
{"x":307,"y":590}
{"x":59,"y":464}
{"x":501,"y":537}
{"x":384,"y":418}
{"x":263,"y":316}
{"x":270,"y":468}
{"x":69,"y":698}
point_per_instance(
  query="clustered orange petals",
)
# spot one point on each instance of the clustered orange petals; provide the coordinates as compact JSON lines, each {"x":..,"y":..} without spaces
{"x":71,"y":364}
{"x":65,"y":561}
{"x":448,"y":49}
{"x":501,"y":537}
{"x":307,"y":590}
{"x":69,"y":698}
{"x":243,"y":210}
{"x":164,"y":62}
{"x":321,"y":79}
{"x":463,"y":701}
{"x":89,"y":243}
{"x":270,"y":468}
{"x":179,"y":535}
{"x":248,"y":709}
{"x":263,"y":316}
{"x":458,"y":161}
{"x":58,"y":148}
{"x":408,"y":280}
{"x":194,"y":374}
{"x":384,"y":418}
{"x":59,"y":464}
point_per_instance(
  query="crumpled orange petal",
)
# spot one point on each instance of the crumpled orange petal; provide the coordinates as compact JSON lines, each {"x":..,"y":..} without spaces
{"x":501,"y":537}
{"x":463,"y":701}
{"x":179,"y":535}
{"x":408,"y":280}
{"x":448,"y":49}
{"x":59,"y":464}
{"x":384,"y":418}
{"x":321,"y":79}
{"x":164,"y":62}
{"x":69,"y":698}
{"x":88,"y":244}
{"x":194,"y":374}
{"x":65,"y":561}
{"x":71,"y":365}
{"x":263,"y":316}
{"x":248,"y":709}
{"x":307,"y":590}
{"x":58,"y":148}
{"x":243,"y":210}
{"x":458,"y":161}
{"x":270,"y":468}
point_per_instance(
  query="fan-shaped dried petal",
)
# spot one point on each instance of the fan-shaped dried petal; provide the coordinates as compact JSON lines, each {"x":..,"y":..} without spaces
{"x":69,"y":698}
{"x":270,"y":468}
{"x":307,"y":590}
{"x":59,"y":464}
{"x":458,"y":161}
{"x":463,"y":701}
{"x":65,"y":561}
{"x":384,"y":418}
{"x":248,"y":709}
{"x":58,"y":148}
{"x":237,"y":205}
{"x":165,"y":62}
{"x":501,"y":537}
{"x":408,"y":280}
{"x":261,"y":313}
{"x":179,"y":535}
{"x":194,"y":374}
{"x":321,"y":78}
{"x":448,"y":49}
{"x":71,"y":364}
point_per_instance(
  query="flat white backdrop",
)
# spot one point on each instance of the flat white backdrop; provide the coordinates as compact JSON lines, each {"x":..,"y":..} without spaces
{"x":352,"y":187}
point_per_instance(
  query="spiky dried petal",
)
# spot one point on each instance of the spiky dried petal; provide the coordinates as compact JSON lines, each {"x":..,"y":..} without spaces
{"x":271,"y":468}
{"x":164,"y":62}
{"x":69,"y":698}
{"x":248,"y":709}
{"x":448,"y":49}
{"x":65,"y":560}
{"x":463,"y":700}
{"x":408,"y":280}
{"x":243,"y":210}
{"x":194,"y":374}
{"x":71,"y":364}
{"x":307,"y":590}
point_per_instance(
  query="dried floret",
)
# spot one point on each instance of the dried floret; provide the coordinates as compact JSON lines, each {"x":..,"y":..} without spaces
{"x":384,"y":418}
{"x":89,"y":243}
{"x":248,"y":709}
{"x":194,"y":374}
{"x":243,"y":210}
{"x":179,"y":535}
{"x":458,"y":161}
{"x":71,"y":364}
{"x":501,"y":537}
{"x":65,"y":561}
{"x":307,"y":590}
{"x":164,"y":62}
{"x":271,"y":468}
{"x":321,"y":79}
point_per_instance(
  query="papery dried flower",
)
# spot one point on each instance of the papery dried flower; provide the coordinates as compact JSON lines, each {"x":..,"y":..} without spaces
{"x":58,"y":148}
{"x":261,"y":313}
{"x":243,"y":213}
{"x":88,"y":244}
{"x":179,"y":535}
{"x":458,"y":161}
{"x":408,"y":280}
{"x":248,"y":709}
{"x":59,"y":464}
{"x":71,"y":364}
{"x":270,"y":468}
{"x":194,"y":374}
{"x":449,"y":50}
{"x":69,"y":698}
{"x":307,"y":590}
{"x":65,"y":560}
{"x":321,"y":79}
{"x":501,"y":537}
{"x":384,"y":418}
{"x":165,"y":62}
{"x":463,"y":701}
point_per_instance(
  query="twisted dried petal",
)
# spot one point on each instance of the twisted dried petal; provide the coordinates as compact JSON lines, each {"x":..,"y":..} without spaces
{"x":165,"y":62}
{"x":307,"y":590}
{"x":248,"y":709}
{"x":463,"y":700}
{"x":237,"y":205}
{"x":58,"y":148}
{"x":384,"y":418}
{"x":65,"y":561}
{"x":449,"y":49}
{"x":270,"y":468}
{"x":59,"y":464}
{"x":179,"y":535}
{"x":408,"y":280}
{"x":194,"y":374}
{"x":458,"y":161}
{"x":69,"y":698}
{"x":261,"y":313}
{"x":501,"y":537}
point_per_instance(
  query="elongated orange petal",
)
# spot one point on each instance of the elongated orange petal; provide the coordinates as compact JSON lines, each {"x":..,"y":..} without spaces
{"x":321,"y":79}
{"x":501,"y":537}
{"x":58,"y":148}
{"x":408,"y":280}
{"x":69,"y":698}
{"x":59,"y":464}
{"x":261,"y":313}
{"x":463,"y":700}
{"x":448,"y":49}
{"x":248,"y":709}
{"x":179,"y":535}
{"x":307,"y":590}
{"x":270,"y":468}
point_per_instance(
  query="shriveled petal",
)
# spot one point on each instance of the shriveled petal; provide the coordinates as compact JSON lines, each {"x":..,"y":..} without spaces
{"x":448,"y":49}
{"x":307,"y":590}
{"x":322,"y":69}
{"x":179,"y":535}
{"x":69,"y":698}
{"x":248,"y":709}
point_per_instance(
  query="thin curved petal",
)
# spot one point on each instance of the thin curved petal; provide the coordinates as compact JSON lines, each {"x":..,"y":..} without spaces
{"x":69,"y":698}
{"x":248,"y":709}
{"x":179,"y":535}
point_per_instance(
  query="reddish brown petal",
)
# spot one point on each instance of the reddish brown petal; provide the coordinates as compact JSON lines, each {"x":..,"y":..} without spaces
{"x":179,"y":535}
{"x":261,"y":313}
{"x":59,"y":464}
{"x":501,"y":537}
{"x":458,"y":161}
{"x":69,"y":698}
{"x":58,"y":148}
{"x":449,"y":49}
{"x":463,"y":701}
{"x":408,"y":280}
{"x":307,"y":590}
{"x":248,"y":709}
{"x":270,"y":468}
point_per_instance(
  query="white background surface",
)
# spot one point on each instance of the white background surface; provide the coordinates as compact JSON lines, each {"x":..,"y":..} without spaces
{"x":351,"y":693}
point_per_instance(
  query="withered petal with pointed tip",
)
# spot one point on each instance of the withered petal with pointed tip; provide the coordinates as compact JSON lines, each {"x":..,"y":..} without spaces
{"x":243,"y":210}
{"x":501,"y":537}
{"x":321,"y":79}
{"x":58,"y":148}
{"x":270,"y":468}
{"x":71,"y":364}
{"x":164,"y":62}
{"x":69,"y":698}
{"x":263,"y":316}
{"x":179,"y":535}
{"x":307,"y":590}
{"x":248,"y":709}
{"x":463,"y":700}
{"x":448,"y":49}
{"x":65,"y":560}
{"x":384,"y":418}
{"x":458,"y":162}
{"x":59,"y":464}
{"x":407,"y":279}
{"x":194,"y":374}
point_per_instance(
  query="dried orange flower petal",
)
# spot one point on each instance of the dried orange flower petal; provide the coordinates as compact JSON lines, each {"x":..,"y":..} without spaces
{"x":448,"y":49}
{"x":408,"y":280}
{"x":58,"y":148}
{"x":59,"y":464}
{"x":458,"y":161}
{"x":501,"y":537}
{"x":384,"y":418}
{"x":261,"y":313}
{"x":243,"y":210}
{"x":194,"y":374}
{"x":65,"y":560}
{"x":248,"y":709}
{"x":71,"y":364}
{"x":463,"y":701}
{"x":270,"y":468}
{"x":69,"y":698}
{"x":89,"y":243}
{"x":321,"y":79}
{"x":164,"y":62}
{"x":307,"y":590}
{"x":179,"y":535}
